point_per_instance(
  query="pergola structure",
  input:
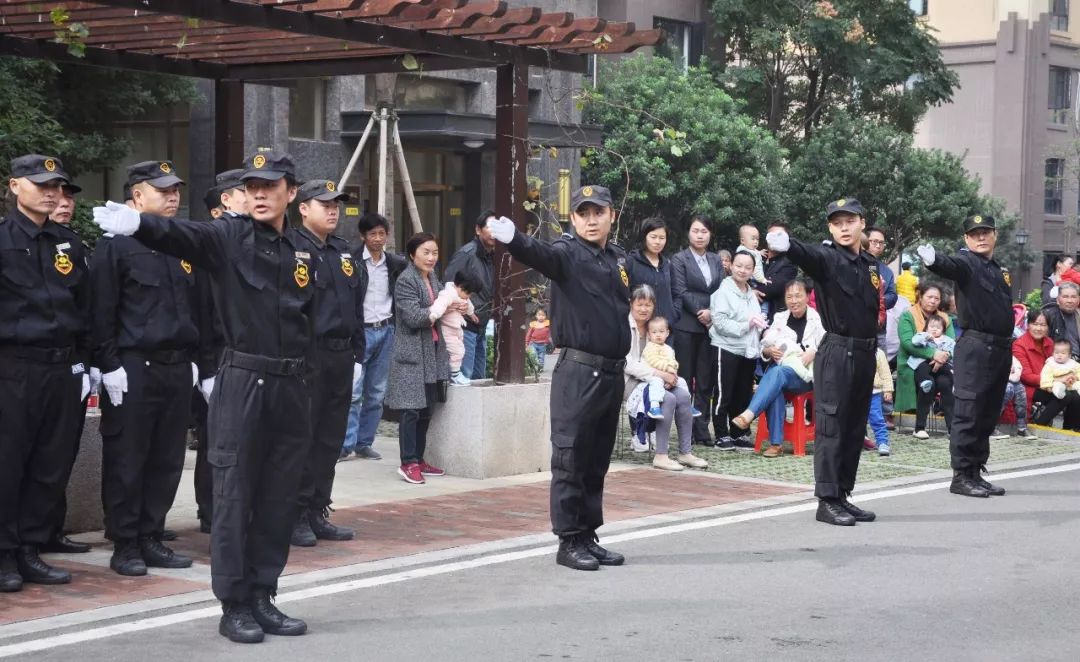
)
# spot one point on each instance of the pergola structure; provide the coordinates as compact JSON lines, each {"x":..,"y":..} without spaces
{"x":238,"y":41}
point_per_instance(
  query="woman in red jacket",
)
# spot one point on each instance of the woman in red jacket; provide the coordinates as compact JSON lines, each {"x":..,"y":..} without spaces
{"x":1032,"y":350}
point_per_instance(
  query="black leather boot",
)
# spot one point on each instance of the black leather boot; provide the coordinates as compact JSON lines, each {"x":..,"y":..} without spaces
{"x":302,"y":535}
{"x":994,"y":490}
{"x":36,"y":571}
{"x":964,"y":484}
{"x":10,"y":579}
{"x":575,"y":555}
{"x":126,"y":559}
{"x":604,"y":556}
{"x":238,"y":624}
{"x":61,"y":544}
{"x":859,"y":514}
{"x":831,"y":511}
{"x":157,"y":555}
{"x":323,"y":529}
{"x":270,"y":618}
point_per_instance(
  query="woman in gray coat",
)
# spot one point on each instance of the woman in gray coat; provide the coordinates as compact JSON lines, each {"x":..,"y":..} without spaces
{"x":420,"y":360}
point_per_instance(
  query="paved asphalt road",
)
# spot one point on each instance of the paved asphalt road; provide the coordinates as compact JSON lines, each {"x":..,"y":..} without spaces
{"x":938,"y":577}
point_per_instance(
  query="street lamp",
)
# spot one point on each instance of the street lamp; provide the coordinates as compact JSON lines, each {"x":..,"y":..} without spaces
{"x":1022,"y":236}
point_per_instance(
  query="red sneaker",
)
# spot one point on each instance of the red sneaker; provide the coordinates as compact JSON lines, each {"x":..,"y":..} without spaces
{"x":429,"y":470}
{"x":868,"y":445}
{"x":411,"y":473}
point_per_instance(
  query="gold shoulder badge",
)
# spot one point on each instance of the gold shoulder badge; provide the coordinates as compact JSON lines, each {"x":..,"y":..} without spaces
{"x":346,"y":266}
{"x":625,"y":277}
{"x":164,"y":167}
{"x":63,"y":263}
{"x":587,"y":191}
{"x":301,"y":274}
{"x":1008,"y":278}
{"x":259,"y":161}
{"x":50,"y":165}
{"x":330,"y":186}
{"x":875,"y":280}
{"x":186,"y":266}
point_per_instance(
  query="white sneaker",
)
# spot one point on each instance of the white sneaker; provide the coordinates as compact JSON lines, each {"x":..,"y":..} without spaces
{"x":666,"y":463}
{"x":460,"y":380}
{"x":692,"y":461}
{"x":920,"y":434}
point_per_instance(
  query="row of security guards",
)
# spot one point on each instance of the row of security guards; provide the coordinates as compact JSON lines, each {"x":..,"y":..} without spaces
{"x":266,"y":321}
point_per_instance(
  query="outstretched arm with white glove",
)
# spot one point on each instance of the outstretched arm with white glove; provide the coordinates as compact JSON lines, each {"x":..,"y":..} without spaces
{"x":945,"y":266}
{"x":116,"y":385}
{"x":927,"y":254}
{"x":552,"y":260}
{"x":116,"y":218}
{"x":806,"y":256}
{"x":203,"y":244}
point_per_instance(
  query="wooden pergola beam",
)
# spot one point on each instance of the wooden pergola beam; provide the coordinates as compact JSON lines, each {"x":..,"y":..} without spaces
{"x":259,"y":72}
{"x":455,"y":18}
{"x":107,"y":57}
{"x":490,"y":26}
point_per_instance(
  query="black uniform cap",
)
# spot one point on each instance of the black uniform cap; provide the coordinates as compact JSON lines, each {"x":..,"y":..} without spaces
{"x":159,"y":174}
{"x":268,"y":165}
{"x":38,"y":168}
{"x":213,"y":198}
{"x":597,"y":195}
{"x":848,"y":205}
{"x":320,"y":189}
{"x":977,"y":222}
{"x":72,"y":189}
{"x":229,"y":179}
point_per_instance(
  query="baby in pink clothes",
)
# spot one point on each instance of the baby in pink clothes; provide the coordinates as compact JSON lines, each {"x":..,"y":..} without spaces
{"x":452,"y":321}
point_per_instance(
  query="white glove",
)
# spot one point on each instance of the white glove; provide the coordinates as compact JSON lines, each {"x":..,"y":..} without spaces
{"x":927,"y":254}
{"x":117,"y":218}
{"x":778,"y":241}
{"x":115,"y":385}
{"x":95,"y":380}
{"x":85,"y":387}
{"x":194,"y":374}
{"x":357,"y":373}
{"x":502,"y":229}
{"x":206,"y":387}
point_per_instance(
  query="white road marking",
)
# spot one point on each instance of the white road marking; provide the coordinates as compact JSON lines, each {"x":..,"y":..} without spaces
{"x":138,"y":625}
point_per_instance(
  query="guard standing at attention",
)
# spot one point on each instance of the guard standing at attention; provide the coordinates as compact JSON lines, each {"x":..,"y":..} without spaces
{"x":848,"y":289}
{"x":145,"y":330}
{"x":44,"y":351}
{"x":590,"y":305}
{"x":983,"y":355}
{"x":260,"y":425}
{"x":338,"y":358}
{"x":225,"y":199}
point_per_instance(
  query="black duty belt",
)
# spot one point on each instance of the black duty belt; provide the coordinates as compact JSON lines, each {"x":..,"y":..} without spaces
{"x":39,"y":354}
{"x":1004,"y":342}
{"x":335,"y":344}
{"x":851,"y":344}
{"x":595,"y":360}
{"x":260,"y":363}
{"x":168,"y":356}
{"x":381,"y":323}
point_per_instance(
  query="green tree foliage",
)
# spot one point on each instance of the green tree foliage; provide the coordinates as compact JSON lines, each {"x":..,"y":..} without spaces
{"x":677,"y":144}
{"x":801,"y":61}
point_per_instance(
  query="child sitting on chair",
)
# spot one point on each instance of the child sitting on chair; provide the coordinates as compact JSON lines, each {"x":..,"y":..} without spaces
{"x":658,"y":355}
{"x":1057,"y":368}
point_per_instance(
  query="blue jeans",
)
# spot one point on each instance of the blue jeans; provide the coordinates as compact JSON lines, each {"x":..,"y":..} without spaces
{"x":877,"y":419}
{"x":474,"y":365}
{"x":367,"y":398}
{"x":769,"y":398}
{"x":540,"y":349}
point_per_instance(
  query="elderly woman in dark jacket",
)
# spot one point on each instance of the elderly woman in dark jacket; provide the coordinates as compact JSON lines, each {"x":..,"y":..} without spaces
{"x":420,"y":360}
{"x":647,"y":265}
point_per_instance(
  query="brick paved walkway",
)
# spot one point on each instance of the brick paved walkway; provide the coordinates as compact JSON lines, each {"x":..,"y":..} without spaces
{"x":390,"y":530}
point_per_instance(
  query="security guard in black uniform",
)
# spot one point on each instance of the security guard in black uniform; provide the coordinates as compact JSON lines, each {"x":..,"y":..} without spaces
{"x":847,"y":285}
{"x":44,"y":351}
{"x":983,"y":355}
{"x":224,"y":200}
{"x":145,"y":330}
{"x":263,"y":282}
{"x":590,"y":305}
{"x":339,"y":354}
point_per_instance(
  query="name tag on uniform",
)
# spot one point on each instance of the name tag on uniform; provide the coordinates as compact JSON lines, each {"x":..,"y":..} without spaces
{"x":347,"y":255}
{"x":303,"y":255}
{"x":78,"y":369}
{"x":63,"y":246}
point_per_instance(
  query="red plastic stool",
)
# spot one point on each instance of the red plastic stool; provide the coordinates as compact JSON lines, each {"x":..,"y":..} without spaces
{"x":798,"y":431}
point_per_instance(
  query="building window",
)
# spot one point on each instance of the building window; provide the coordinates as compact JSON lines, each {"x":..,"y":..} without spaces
{"x":918,"y":6}
{"x":307,"y":109}
{"x":1055,"y":173}
{"x":1060,"y":89}
{"x":684,"y":42}
{"x":1059,"y":15}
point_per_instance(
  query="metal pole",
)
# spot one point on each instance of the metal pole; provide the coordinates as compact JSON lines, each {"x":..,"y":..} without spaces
{"x":564,"y":196}
{"x":381,"y":205}
{"x":406,"y":182}
{"x":356,"y":153}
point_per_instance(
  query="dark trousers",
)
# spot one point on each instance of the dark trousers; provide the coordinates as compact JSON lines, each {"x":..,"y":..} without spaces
{"x":260,"y":431}
{"x":982,"y":371}
{"x":924,"y":401}
{"x":697,"y":365}
{"x":843,"y":383}
{"x":330,"y":400}
{"x":204,"y":477}
{"x":59,"y":516}
{"x":143,"y":446}
{"x":39,"y":418}
{"x":736,"y":387}
{"x":585,"y":405}
{"x":1052,"y":406}
{"x":413,"y":427}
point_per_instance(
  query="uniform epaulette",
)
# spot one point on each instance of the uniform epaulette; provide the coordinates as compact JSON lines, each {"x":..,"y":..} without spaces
{"x":566,"y":235}
{"x":964,"y":250}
